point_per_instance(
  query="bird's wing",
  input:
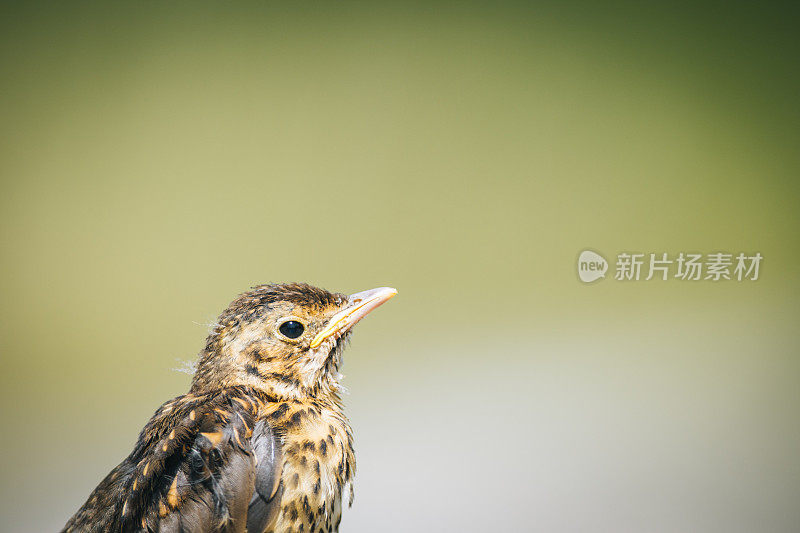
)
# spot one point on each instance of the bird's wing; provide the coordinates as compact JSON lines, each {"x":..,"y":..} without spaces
{"x":202,"y":464}
{"x":265,"y":502}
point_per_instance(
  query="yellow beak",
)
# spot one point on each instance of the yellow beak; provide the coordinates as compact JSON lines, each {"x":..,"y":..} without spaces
{"x":358,"y":306}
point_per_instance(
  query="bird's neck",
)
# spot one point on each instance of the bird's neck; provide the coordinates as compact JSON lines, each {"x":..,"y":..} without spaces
{"x":324,"y":394}
{"x":216,"y":371}
{"x":325,"y":391}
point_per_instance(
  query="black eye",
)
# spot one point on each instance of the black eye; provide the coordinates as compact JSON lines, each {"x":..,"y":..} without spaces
{"x":292,"y":329}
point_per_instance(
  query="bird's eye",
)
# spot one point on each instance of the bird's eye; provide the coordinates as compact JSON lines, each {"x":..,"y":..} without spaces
{"x":292,"y":329}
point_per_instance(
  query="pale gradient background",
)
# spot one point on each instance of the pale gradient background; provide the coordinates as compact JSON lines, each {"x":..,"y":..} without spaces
{"x":156,"y":161}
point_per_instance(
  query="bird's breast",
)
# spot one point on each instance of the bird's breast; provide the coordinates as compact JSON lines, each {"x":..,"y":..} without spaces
{"x":318,"y":465}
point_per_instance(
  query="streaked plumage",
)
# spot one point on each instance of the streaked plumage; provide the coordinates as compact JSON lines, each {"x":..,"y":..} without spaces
{"x":260,"y":443}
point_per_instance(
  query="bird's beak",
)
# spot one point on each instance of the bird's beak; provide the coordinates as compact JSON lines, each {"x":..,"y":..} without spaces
{"x":358,"y":306}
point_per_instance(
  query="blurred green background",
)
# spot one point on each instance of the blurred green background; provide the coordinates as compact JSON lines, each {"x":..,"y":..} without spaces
{"x":159,"y":158}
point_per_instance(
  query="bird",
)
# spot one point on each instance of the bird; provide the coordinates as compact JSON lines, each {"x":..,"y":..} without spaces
{"x":260,"y":443}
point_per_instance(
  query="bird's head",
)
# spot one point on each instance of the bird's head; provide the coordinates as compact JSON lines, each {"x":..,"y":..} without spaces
{"x":285,"y":339}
